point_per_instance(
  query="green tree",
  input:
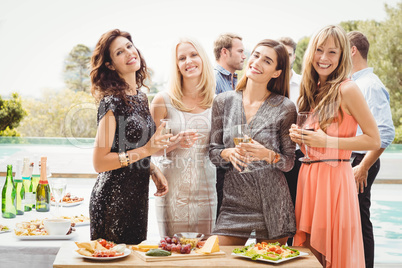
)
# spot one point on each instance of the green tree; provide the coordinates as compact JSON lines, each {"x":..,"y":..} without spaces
{"x":300,"y":50}
{"x":76,"y":68}
{"x":385,"y":54}
{"x":60,"y":114}
{"x":11,"y":114}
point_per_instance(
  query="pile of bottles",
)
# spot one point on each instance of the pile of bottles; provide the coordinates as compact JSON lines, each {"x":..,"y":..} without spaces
{"x":28,"y":190}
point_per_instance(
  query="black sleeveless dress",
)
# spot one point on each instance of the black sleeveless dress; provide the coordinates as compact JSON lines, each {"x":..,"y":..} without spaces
{"x":119,"y":200}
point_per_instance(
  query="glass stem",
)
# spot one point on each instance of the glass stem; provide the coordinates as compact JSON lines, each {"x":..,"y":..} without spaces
{"x":305,"y":146}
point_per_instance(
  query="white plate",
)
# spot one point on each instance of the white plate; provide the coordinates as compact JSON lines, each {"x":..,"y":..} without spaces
{"x":278,"y":261}
{"x":126,"y":253}
{"x":5,"y":231}
{"x":65,"y":204}
{"x":46,"y":237}
{"x":81,"y":223}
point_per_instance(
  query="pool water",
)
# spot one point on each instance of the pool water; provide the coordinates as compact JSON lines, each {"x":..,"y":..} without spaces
{"x":386,"y":216}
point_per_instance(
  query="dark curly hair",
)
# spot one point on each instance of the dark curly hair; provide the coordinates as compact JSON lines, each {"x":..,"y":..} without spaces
{"x":105,"y":81}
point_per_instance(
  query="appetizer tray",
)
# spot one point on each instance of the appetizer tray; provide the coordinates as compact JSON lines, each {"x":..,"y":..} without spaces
{"x":46,"y":237}
{"x":126,"y":253}
{"x":271,"y":261}
{"x":177,"y":256}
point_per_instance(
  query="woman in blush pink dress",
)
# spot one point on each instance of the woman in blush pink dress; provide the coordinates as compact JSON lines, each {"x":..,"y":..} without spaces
{"x":327,"y":208}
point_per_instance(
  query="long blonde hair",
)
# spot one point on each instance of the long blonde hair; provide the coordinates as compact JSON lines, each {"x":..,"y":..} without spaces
{"x":280,"y":84}
{"x":206,"y":87}
{"x":325,"y":99}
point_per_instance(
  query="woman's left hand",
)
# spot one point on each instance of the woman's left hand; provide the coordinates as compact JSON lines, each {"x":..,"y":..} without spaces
{"x":254,"y":151}
{"x":316,"y":138}
{"x":160,"y":182}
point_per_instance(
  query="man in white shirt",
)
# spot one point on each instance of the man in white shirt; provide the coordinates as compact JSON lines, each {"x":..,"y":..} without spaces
{"x":366,"y":165}
{"x":295,"y":78}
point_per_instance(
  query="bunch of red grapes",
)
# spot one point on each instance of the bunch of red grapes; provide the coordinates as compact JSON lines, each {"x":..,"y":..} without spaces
{"x":173,"y":245}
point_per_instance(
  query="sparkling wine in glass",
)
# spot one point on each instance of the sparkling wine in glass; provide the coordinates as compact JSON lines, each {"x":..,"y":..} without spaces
{"x":166,"y":130}
{"x":304,"y":121}
{"x":241,"y":133}
{"x":58,"y":189}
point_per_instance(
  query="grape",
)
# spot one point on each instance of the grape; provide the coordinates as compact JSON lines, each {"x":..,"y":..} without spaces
{"x":169,"y":247}
{"x":175,"y":240}
{"x":183,"y":250}
{"x":174,"y":248}
{"x":168,"y":240}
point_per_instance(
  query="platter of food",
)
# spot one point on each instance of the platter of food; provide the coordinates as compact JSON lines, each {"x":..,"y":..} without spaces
{"x":101,"y":250}
{"x":184,"y":247}
{"x":46,"y":237}
{"x":77,"y":220}
{"x":35,"y":229}
{"x":107,"y":255}
{"x":4,"y":229}
{"x":271,"y":252}
{"x":69,"y":200}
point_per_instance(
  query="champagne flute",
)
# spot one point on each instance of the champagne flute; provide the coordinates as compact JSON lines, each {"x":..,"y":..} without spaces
{"x":194,"y":127}
{"x":58,"y":189}
{"x":166,"y":130}
{"x":241,"y":134}
{"x":304,"y":121}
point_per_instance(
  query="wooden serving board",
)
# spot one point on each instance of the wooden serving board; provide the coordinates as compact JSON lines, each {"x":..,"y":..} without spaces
{"x":177,"y":256}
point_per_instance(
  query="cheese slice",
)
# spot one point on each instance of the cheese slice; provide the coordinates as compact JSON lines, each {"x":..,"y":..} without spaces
{"x":211,"y":245}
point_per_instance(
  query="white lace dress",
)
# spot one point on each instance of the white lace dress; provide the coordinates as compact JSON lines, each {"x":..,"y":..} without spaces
{"x":190,"y":204}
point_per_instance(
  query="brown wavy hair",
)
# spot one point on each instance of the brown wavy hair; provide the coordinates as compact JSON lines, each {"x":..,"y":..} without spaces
{"x":280,"y":84}
{"x":106,"y":82}
{"x":325,"y":99}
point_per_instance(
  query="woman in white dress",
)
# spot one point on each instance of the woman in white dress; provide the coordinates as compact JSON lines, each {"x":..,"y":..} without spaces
{"x":190,"y":205}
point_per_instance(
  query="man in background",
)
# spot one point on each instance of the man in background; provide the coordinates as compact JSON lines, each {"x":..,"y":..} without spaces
{"x":295,"y":78}
{"x":294,"y":92}
{"x":367,"y":164}
{"x":229,"y":55}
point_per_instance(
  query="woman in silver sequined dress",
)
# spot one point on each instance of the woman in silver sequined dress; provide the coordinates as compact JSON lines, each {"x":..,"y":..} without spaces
{"x":259,"y":200}
{"x":125,"y":139}
{"x":190,"y":205}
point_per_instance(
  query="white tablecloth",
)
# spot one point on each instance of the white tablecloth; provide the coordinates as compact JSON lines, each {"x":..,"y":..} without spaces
{"x":42,"y":253}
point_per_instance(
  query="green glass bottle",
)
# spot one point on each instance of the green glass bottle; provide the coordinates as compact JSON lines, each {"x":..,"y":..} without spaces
{"x":8,"y":209}
{"x":43,"y":189}
{"x":26,"y":178}
{"x":35,"y":167}
{"x":19,"y":188}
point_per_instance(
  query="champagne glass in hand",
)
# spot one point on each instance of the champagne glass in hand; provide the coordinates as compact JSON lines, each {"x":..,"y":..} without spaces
{"x":304,"y":121}
{"x":167,"y":130}
{"x":241,"y":134}
{"x":58,"y":189}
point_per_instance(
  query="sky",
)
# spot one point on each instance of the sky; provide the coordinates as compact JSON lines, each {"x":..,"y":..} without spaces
{"x":37,"y":35}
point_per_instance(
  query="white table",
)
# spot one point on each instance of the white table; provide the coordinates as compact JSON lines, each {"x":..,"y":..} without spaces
{"x":42,"y":253}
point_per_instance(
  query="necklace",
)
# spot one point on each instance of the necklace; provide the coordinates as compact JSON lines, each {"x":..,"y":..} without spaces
{"x":251,"y":121}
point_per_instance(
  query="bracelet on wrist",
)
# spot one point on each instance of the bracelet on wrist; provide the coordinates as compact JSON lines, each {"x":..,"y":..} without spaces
{"x":276,"y":159}
{"x":124,"y":159}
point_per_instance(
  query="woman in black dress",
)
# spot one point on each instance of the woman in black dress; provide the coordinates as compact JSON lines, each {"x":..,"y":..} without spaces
{"x":125,"y":140}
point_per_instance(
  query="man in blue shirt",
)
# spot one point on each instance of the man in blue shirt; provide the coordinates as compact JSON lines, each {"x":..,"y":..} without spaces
{"x":229,"y":55}
{"x":367,"y":164}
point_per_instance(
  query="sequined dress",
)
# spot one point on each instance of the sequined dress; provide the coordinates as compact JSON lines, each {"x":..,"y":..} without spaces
{"x":190,"y":204}
{"x":259,"y":200}
{"x":119,"y":199}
